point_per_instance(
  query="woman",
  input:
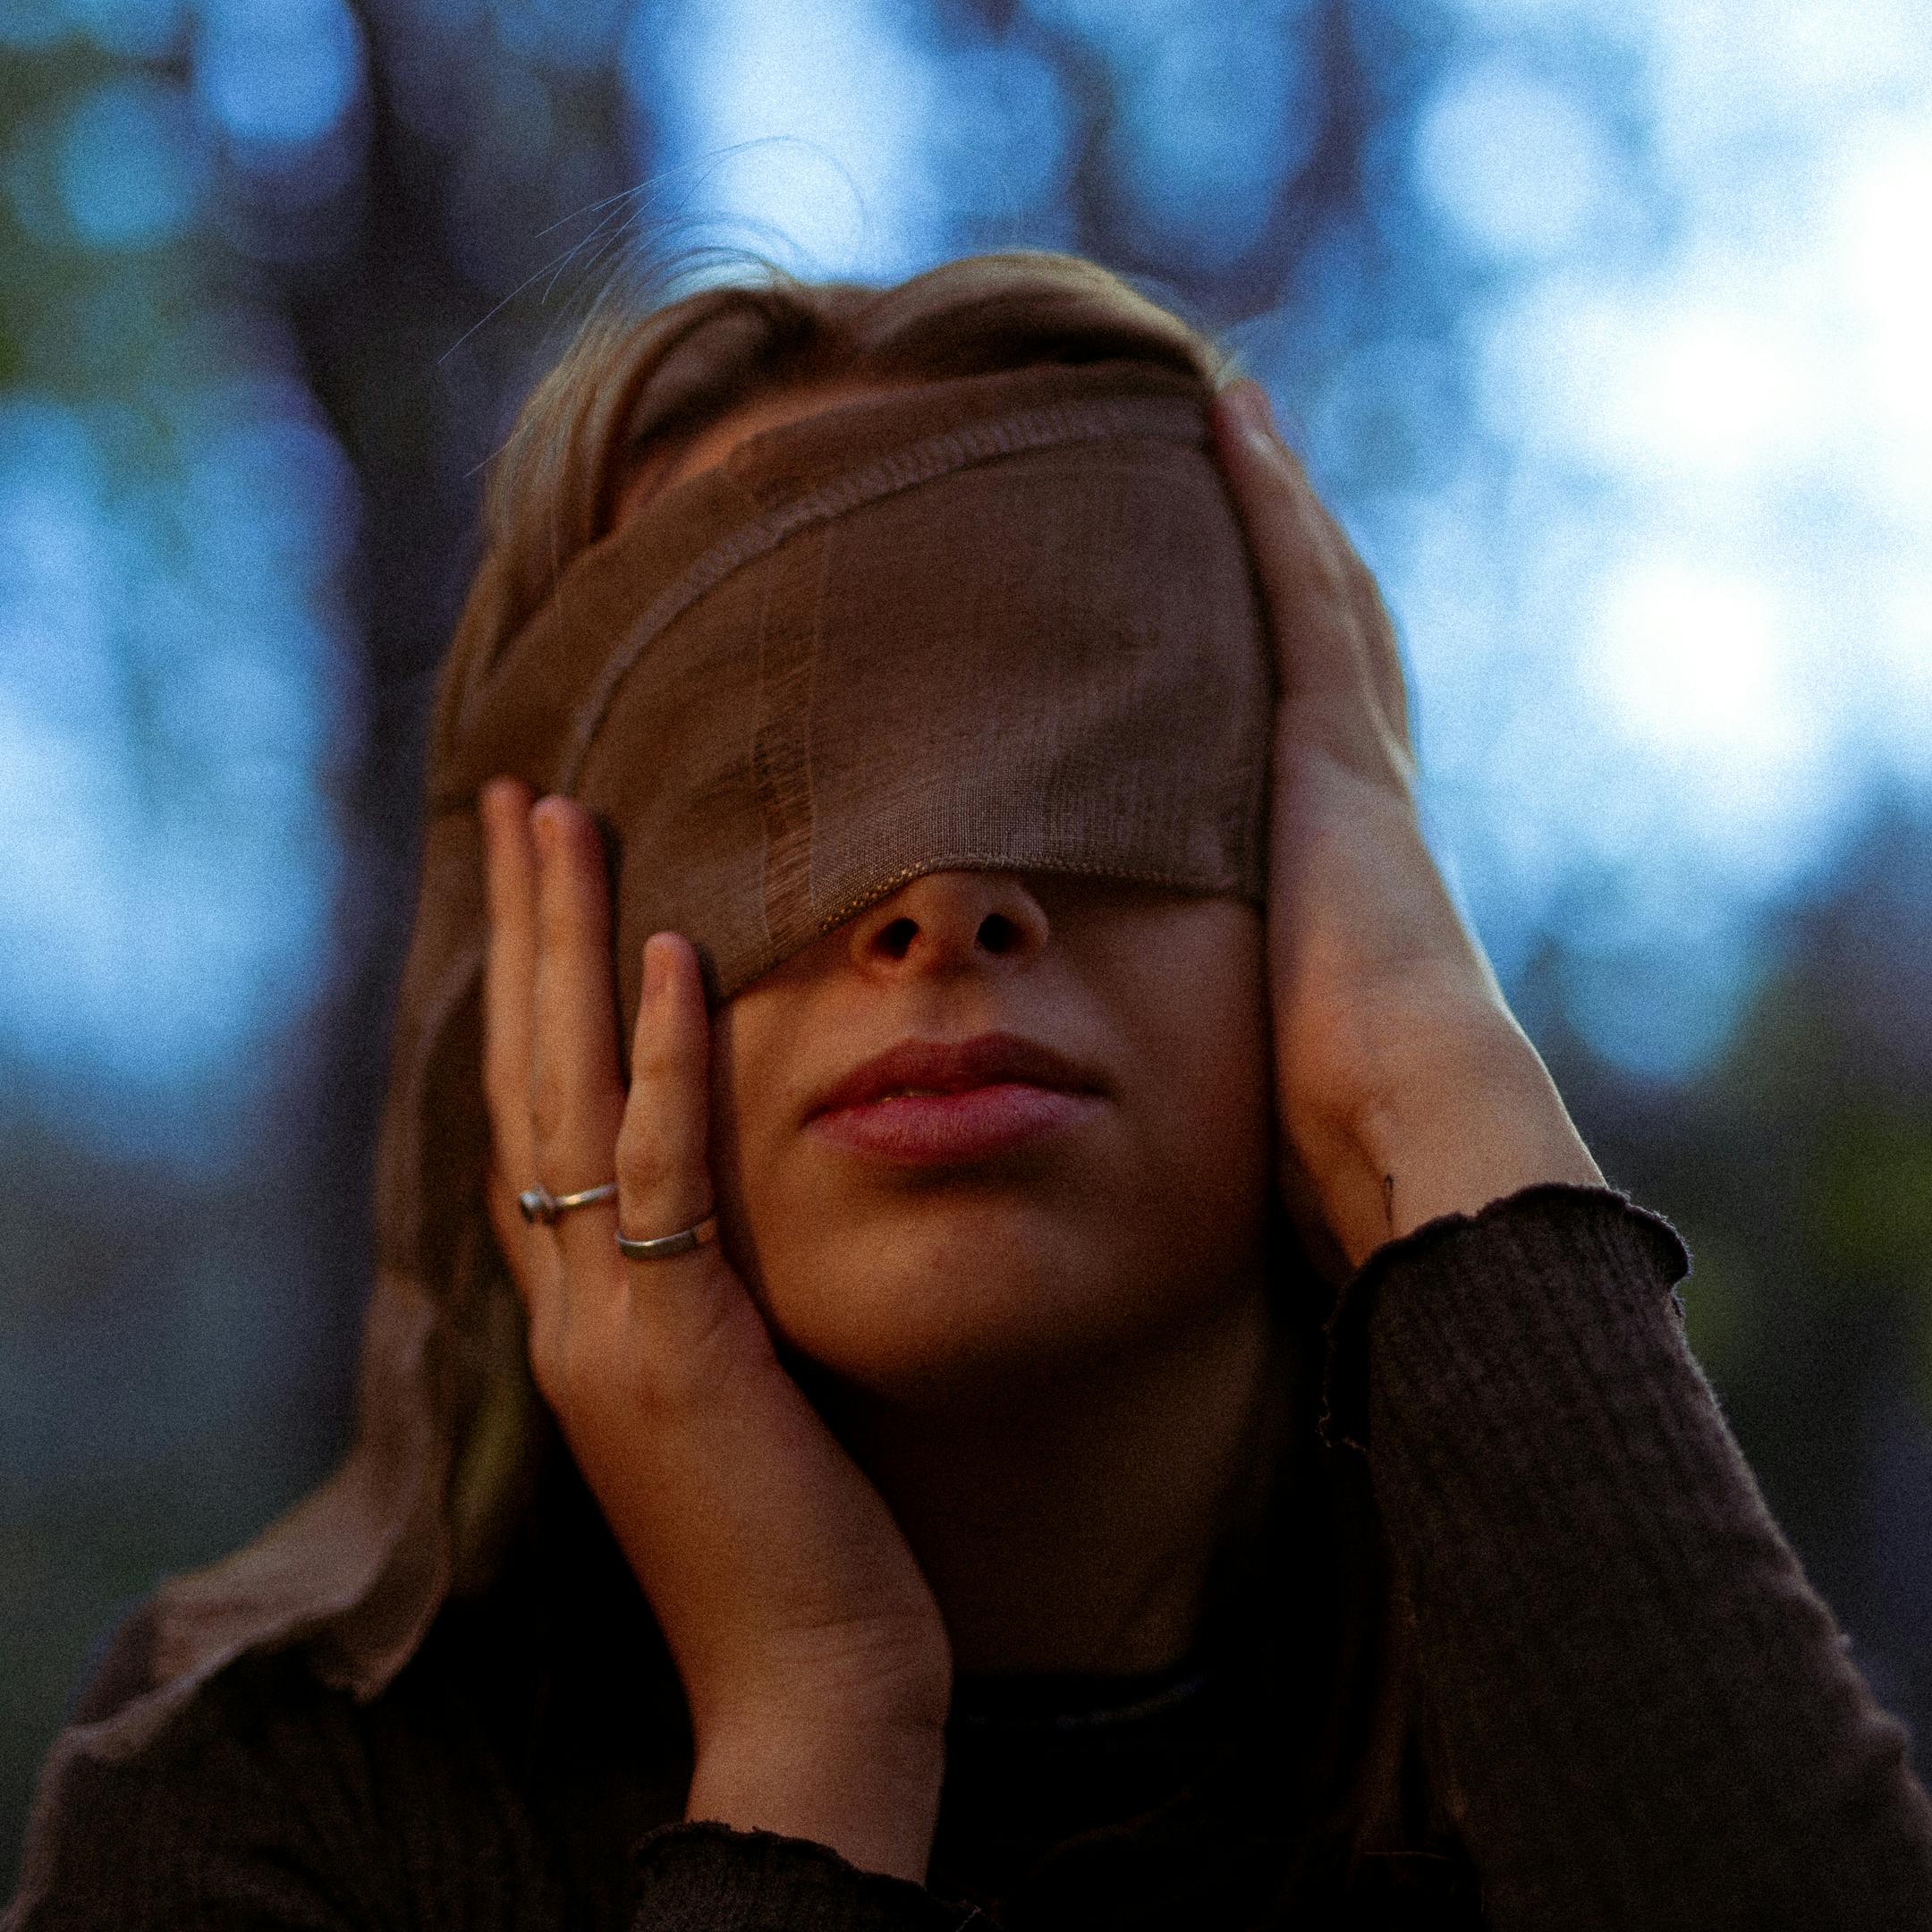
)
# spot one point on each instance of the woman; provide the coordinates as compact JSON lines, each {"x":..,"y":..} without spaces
{"x":983,"y":1314}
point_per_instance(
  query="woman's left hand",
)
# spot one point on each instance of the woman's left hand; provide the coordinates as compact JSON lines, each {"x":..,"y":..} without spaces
{"x":1405,"y":1087}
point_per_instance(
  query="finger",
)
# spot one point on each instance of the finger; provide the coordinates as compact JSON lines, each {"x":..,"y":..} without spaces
{"x":1332,"y":639}
{"x":509,"y":972}
{"x":1378,"y":628}
{"x":509,"y":989}
{"x":1306,"y":593}
{"x":662,"y":1147}
{"x":576,"y":1095}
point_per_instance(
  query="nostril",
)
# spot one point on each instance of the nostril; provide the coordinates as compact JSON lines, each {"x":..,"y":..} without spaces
{"x":896,"y":939}
{"x":998,"y":933}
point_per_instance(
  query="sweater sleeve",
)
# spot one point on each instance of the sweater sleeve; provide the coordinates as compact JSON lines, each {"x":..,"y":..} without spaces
{"x":1643,"y":1713}
{"x":271,"y":1804}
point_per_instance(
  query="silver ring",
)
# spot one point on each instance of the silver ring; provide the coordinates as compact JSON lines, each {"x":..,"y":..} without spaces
{"x":662,"y":1247}
{"x":539,"y":1204}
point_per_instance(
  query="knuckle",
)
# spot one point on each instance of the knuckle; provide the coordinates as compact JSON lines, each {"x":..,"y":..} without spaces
{"x":662,"y":1063}
{"x":567,"y":1361}
{"x":540,"y":1342}
{"x":568,"y":910}
{"x":505,"y":1097}
{"x":719,"y":1352}
{"x":550,"y":1108}
{"x":563,"y":923}
{"x":646,"y":1159}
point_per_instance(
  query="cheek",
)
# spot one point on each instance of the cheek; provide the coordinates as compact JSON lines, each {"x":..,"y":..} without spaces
{"x":734,"y":1116}
{"x":1206,"y":1104}
{"x":768,"y":1214}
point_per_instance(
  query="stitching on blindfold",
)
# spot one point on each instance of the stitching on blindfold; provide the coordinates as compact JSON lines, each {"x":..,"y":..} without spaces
{"x":1045,"y":428}
{"x":780,"y":747}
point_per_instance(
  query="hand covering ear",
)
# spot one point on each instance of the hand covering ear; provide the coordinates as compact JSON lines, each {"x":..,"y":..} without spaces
{"x":1372,"y":972}
{"x":784,"y":1589}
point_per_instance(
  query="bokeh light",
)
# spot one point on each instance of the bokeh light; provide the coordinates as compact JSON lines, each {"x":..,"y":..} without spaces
{"x":131,"y":167}
{"x":276,"y":76}
{"x":173,"y":696}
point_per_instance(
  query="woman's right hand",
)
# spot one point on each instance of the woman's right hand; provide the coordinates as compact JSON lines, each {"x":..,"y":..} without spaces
{"x":1406,"y":1090}
{"x":814,"y":1661}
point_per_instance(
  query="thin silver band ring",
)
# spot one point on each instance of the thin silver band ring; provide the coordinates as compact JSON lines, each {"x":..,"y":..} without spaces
{"x":662,"y":1247}
{"x":539,"y":1205}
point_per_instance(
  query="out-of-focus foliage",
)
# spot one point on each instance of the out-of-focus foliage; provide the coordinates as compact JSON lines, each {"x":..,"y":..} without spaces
{"x":1601,"y":328}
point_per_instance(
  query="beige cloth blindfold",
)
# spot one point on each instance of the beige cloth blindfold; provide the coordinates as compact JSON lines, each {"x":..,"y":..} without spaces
{"x":1001,"y":622}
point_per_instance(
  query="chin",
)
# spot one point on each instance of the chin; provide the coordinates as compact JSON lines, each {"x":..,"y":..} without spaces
{"x":982,"y":1315}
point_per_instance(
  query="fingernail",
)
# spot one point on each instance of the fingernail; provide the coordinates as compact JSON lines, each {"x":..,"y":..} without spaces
{"x":654,"y":967}
{"x":543,"y":827}
{"x":1253,"y":411}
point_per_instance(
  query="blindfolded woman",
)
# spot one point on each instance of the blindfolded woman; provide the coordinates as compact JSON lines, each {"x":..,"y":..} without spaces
{"x":983,"y":1313}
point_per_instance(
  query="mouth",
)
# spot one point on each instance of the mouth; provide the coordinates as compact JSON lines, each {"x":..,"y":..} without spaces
{"x":938,"y":1103}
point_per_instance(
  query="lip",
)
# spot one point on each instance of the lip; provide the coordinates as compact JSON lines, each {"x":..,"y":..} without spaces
{"x":983,"y":1096}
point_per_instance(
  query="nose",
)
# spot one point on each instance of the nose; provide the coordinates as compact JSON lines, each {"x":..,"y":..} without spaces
{"x":951,"y":922}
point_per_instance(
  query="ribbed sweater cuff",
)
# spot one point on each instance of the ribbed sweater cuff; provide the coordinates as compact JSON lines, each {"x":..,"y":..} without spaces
{"x":705,"y":1876}
{"x":1537,"y":1233}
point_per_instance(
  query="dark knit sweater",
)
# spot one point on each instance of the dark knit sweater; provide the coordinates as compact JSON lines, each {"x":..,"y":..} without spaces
{"x":1638,"y":1713}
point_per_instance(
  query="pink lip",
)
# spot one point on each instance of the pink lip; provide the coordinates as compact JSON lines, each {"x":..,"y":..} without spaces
{"x":980,"y":1097}
{"x":939,"y":1129}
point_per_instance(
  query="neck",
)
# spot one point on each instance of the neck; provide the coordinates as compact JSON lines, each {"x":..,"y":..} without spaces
{"x":1077,"y":1529}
